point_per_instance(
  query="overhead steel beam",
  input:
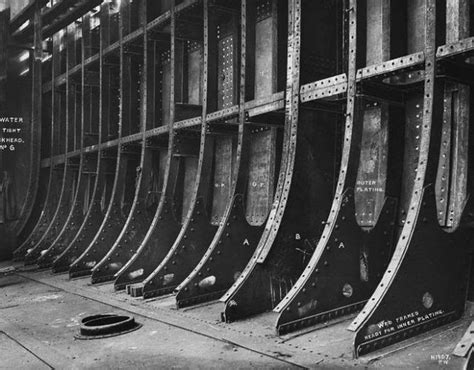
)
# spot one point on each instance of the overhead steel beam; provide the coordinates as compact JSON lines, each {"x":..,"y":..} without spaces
{"x":26,"y":14}
{"x":57,"y":17}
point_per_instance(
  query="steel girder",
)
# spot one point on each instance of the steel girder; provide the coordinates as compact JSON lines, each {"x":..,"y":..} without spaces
{"x":80,"y":100}
{"x":191,"y":248}
{"x":121,"y":196}
{"x":196,"y":230}
{"x":165,"y":224}
{"x":98,"y":179}
{"x":66,"y":116}
{"x":163,"y":229}
{"x":55,"y":178}
{"x":149,"y":175}
{"x":249,"y":200}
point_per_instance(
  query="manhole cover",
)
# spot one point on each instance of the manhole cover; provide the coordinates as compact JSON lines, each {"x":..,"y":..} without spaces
{"x":106,"y":325}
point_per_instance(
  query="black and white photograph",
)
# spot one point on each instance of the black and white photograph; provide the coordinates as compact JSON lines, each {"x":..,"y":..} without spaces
{"x":236,"y":184}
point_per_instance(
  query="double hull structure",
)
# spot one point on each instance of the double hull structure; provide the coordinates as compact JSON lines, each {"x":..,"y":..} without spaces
{"x":304,"y":158}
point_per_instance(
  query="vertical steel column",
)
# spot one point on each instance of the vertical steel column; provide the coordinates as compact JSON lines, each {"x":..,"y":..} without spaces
{"x":139,"y":219}
{"x":76,"y":120}
{"x":116,"y":215}
{"x":93,"y":212}
{"x":67,"y":190}
{"x":252,"y":291}
{"x":235,"y":239}
{"x":291,"y":121}
{"x":165,"y":225}
{"x":196,"y":232}
{"x":451,"y":182}
{"x":51,"y":201}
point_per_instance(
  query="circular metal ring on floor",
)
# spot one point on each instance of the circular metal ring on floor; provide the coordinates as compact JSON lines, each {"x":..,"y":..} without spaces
{"x":106,"y":325}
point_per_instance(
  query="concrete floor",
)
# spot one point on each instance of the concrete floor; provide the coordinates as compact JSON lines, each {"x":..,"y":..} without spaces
{"x":40,"y":315}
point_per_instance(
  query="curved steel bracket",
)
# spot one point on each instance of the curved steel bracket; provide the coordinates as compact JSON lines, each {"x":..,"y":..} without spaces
{"x":111,"y":225}
{"x":423,"y":287}
{"x":188,"y":248}
{"x":92,"y":220}
{"x":344,"y":270}
{"x":75,"y":218}
{"x":133,"y":231}
{"x":50,"y":206}
{"x":163,"y":231}
{"x":222,"y":263}
{"x":59,"y":218}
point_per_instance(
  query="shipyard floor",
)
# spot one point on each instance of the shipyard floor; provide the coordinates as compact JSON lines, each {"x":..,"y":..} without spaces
{"x":40,"y":315}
